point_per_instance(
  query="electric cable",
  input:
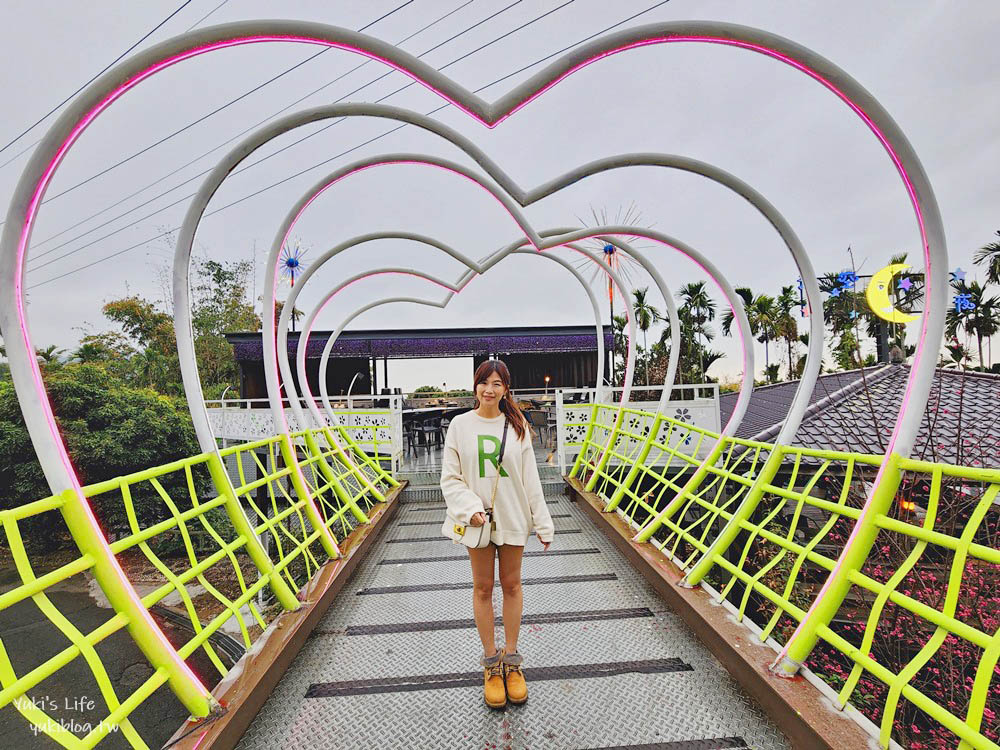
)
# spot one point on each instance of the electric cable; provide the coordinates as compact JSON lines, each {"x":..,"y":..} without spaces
{"x":354,"y":148}
{"x":91,"y":80}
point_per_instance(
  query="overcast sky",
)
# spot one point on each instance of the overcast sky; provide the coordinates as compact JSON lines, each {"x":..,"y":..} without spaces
{"x":929,"y":63}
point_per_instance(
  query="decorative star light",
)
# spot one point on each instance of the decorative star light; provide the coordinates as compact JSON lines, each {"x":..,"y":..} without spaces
{"x":905,"y":285}
{"x":292,"y":265}
{"x":853,"y":314}
{"x":835,"y":292}
{"x":847,"y":279}
{"x":958,"y":275}
{"x":964,"y":302}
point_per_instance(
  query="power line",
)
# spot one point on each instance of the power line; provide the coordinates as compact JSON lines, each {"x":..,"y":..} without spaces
{"x":215,"y":111}
{"x":103,"y":70}
{"x":360,"y":145}
{"x":247,"y":130}
{"x":206,"y":15}
{"x":181,"y":130}
{"x":216,"y":148}
{"x":204,"y":172}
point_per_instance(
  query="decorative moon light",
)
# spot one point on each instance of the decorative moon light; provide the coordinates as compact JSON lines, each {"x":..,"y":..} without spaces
{"x":877,"y":295}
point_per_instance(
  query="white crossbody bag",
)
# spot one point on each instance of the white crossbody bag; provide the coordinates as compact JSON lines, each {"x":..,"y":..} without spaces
{"x":478,"y":537}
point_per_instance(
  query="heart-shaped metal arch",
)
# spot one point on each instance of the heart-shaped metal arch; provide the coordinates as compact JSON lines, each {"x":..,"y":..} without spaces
{"x":320,"y":261}
{"x":129,"y":73}
{"x":61,"y":136}
{"x":282,"y":359}
{"x":523,"y":198}
{"x":452,"y":288}
{"x":548,"y":240}
{"x":285,"y":318}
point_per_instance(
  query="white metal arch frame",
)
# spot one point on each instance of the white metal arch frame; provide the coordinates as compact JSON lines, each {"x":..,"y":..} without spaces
{"x":743,"y":326}
{"x":285,"y":318}
{"x":271,"y":366}
{"x":453,"y":288}
{"x":526,"y":197}
{"x":37,"y":175}
{"x":319,"y":262}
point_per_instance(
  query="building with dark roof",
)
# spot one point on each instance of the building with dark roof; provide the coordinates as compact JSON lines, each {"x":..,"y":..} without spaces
{"x":566,"y":354}
{"x":856,"y":411}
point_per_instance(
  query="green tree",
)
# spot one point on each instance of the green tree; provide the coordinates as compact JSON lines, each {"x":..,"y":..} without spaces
{"x":786,"y":326}
{"x":645,"y":316}
{"x":762,"y":315}
{"x":111,"y":429}
{"x":696,"y":311}
{"x":619,"y":331}
{"x":49,"y":355}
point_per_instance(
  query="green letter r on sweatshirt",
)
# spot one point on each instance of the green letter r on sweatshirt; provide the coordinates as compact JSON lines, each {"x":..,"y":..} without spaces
{"x":493,"y":454}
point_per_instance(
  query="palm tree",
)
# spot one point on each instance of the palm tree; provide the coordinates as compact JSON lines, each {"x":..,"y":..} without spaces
{"x":49,"y":354}
{"x":699,"y":309}
{"x":785,"y":325}
{"x":645,"y":316}
{"x":762,"y":315}
{"x":989,"y":255}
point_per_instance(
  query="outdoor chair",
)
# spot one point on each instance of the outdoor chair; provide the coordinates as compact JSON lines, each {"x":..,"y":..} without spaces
{"x":431,"y":428}
{"x":410,"y":435}
{"x":539,"y":419}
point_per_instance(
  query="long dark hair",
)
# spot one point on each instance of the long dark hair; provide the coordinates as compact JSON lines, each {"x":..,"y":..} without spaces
{"x":507,"y":405}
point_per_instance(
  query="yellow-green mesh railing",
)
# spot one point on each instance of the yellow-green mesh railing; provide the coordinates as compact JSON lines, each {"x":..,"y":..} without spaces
{"x":915,"y":645}
{"x":375,"y":436}
{"x":192,"y":569}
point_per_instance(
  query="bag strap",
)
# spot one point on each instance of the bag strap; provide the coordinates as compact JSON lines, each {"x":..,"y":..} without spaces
{"x":503,"y":447}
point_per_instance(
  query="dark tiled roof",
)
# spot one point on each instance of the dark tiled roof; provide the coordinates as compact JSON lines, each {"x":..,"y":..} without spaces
{"x":961,"y":424}
{"x":770,"y":403}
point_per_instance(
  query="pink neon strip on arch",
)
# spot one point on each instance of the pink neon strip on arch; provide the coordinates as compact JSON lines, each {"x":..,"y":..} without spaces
{"x":922,"y":342}
{"x":30,"y":215}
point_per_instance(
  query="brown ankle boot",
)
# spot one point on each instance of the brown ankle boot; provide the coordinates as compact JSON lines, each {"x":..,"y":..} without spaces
{"x":493,"y":689}
{"x":517,"y":688}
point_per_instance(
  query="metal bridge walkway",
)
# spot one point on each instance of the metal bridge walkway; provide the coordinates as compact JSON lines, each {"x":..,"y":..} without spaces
{"x":394,"y":662}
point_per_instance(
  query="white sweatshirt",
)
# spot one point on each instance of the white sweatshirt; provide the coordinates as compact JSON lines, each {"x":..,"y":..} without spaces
{"x":469,"y":469}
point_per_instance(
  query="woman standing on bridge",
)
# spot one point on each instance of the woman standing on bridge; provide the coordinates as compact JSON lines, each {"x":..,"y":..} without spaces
{"x":489,"y":447}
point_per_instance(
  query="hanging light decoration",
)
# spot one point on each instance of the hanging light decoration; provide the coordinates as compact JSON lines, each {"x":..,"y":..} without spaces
{"x":292,"y":264}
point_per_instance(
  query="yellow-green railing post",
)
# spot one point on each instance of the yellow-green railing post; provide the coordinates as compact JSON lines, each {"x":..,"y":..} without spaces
{"x":616,"y":497}
{"x":345,"y":497}
{"x":123,"y":598}
{"x":282,"y":592}
{"x":298,"y":483}
{"x":365,"y":458}
{"x":689,"y":487}
{"x":586,"y":439}
{"x":835,"y":589}
{"x":348,"y":462}
{"x":743,"y":512}
{"x":606,"y":456}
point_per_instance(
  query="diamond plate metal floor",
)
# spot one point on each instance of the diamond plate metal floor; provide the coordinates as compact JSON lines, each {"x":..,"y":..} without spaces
{"x":394,"y":663}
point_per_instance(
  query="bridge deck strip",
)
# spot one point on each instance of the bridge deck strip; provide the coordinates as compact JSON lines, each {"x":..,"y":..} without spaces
{"x":371,"y":640}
